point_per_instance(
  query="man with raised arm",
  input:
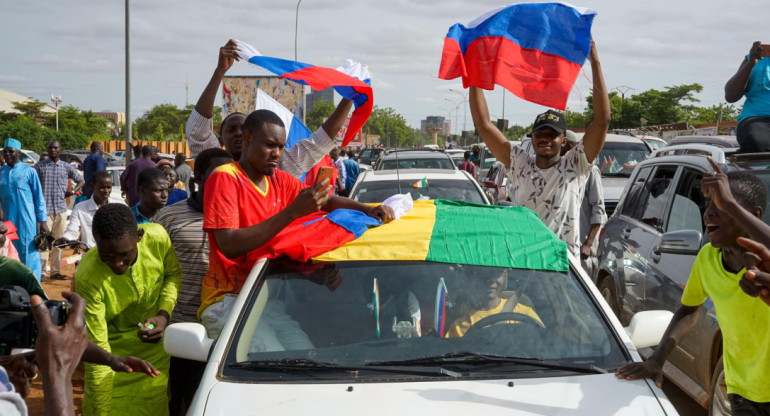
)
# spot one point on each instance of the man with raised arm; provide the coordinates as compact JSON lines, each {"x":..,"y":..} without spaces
{"x":548,"y":183}
{"x":295,"y":161}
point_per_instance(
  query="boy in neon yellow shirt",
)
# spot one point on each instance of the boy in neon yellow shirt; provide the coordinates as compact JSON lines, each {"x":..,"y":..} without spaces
{"x":744,"y":320}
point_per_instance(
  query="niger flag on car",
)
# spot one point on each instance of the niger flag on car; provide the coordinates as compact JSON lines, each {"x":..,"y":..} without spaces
{"x":460,"y":232}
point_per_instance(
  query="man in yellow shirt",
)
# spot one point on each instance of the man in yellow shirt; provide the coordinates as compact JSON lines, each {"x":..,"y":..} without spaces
{"x":486,"y":301}
{"x":131,"y":277}
{"x":744,"y":320}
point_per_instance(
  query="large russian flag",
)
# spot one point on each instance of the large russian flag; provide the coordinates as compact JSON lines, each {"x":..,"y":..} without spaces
{"x":534,"y":50}
{"x":295,"y":129}
{"x":352,"y":81}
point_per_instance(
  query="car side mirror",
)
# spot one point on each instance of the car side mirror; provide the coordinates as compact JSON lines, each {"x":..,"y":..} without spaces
{"x":187,"y":340}
{"x":489,"y":184}
{"x":681,"y":242}
{"x":647,"y":328}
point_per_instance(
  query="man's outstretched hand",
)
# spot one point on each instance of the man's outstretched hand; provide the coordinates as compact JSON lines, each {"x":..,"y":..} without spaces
{"x":636,"y":371}
{"x":227,"y":56}
{"x":383,"y":213}
{"x":132,"y":364}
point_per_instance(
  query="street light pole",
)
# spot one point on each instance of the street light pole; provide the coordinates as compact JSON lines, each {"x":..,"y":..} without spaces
{"x":129,"y":151}
{"x":56,"y":99}
{"x":465,"y":109}
{"x":296,"y":31}
{"x":623,"y":89}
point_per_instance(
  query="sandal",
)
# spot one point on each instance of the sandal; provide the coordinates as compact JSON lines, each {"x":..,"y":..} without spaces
{"x":59,"y":276}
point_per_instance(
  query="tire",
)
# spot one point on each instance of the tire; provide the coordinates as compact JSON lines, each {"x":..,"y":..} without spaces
{"x":718,"y":403}
{"x":607,"y":289}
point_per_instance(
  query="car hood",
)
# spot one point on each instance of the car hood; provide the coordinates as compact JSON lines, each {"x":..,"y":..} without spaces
{"x":613,"y":187}
{"x":601,"y":394}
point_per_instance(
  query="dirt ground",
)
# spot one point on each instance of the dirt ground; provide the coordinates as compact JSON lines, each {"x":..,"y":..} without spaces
{"x":54,"y":288}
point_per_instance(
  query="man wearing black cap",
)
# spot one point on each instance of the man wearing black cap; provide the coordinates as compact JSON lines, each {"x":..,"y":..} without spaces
{"x":550,"y":184}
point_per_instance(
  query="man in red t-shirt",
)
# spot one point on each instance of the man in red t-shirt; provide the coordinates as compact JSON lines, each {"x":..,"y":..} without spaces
{"x":251,"y":202}
{"x":467,"y":165}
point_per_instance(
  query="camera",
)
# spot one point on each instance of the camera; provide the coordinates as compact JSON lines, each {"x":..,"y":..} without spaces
{"x":17,"y":325}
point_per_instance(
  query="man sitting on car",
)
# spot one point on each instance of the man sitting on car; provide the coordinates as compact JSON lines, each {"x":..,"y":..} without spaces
{"x":716,"y":274}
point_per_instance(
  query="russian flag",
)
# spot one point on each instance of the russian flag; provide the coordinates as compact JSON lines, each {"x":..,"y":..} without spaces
{"x":295,"y":130}
{"x":352,"y":81}
{"x":534,"y":50}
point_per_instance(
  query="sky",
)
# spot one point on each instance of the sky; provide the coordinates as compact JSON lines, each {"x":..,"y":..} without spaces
{"x":76,"y":48}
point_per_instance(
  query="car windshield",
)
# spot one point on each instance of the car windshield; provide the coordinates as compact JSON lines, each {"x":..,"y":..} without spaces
{"x":408,"y":163}
{"x":368,"y":156}
{"x":28,"y":156}
{"x":620,"y":159}
{"x":401,"y":313}
{"x":378,"y":191}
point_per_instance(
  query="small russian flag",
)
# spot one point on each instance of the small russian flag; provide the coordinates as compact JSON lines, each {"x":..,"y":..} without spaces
{"x":440,"y":311}
{"x":376,"y":303}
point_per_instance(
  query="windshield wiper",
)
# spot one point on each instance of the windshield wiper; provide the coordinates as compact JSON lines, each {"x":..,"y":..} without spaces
{"x":472,"y":357}
{"x":306,"y":364}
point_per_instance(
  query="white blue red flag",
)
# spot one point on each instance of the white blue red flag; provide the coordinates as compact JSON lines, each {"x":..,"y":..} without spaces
{"x":534,"y":50}
{"x":439,"y":315}
{"x":295,"y":130}
{"x":352,"y":81}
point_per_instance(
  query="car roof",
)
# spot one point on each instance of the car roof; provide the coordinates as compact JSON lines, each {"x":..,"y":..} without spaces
{"x":617,"y":138}
{"x":410,"y":174}
{"x":415,"y":154}
{"x":721,"y":141}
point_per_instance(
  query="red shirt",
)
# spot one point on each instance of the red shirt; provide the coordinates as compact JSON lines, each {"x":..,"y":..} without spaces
{"x":313,"y":172}
{"x":468,"y":167}
{"x":233,"y":201}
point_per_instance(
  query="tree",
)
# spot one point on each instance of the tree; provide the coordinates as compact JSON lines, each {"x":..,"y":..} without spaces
{"x":159,"y":134}
{"x":169,"y":116}
{"x":30,"y":134}
{"x":322,"y":110}
{"x":390,"y":126}
{"x":33,"y":109}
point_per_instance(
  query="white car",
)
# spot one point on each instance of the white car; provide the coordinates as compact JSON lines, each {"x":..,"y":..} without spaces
{"x":378,"y":185}
{"x":369,"y":328}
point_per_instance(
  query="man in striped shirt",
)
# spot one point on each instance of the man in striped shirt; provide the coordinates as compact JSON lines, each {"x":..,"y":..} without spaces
{"x":296,"y":160}
{"x":184,"y":223}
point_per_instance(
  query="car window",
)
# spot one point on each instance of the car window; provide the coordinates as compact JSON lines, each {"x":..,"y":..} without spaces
{"x":455,"y":189}
{"x":404,"y":163}
{"x":620,"y":159}
{"x":364,"y":313}
{"x":630,"y":206}
{"x":656,"y":196}
{"x":688,"y":206}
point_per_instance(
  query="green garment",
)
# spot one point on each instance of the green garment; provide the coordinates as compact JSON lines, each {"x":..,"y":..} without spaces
{"x":115,"y":304}
{"x":15,"y":273}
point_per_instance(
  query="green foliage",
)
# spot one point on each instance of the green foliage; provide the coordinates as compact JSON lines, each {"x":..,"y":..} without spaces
{"x":159,"y":134}
{"x":69,"y":139}
{"x":162,"y":117}
{"x":391,"y":127}
{"x":516,"y":132}
{"x":30,"y":134}
{"x":322,"y":110}
{"x":33,"y":110}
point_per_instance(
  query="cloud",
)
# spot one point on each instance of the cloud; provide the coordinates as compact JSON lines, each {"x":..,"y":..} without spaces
{"x":57,"y":63}
{"x":425,"y":100}
{"x":12,"y":80}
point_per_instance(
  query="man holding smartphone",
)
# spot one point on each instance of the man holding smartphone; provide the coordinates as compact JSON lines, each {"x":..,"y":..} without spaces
{"x":752,"y":80}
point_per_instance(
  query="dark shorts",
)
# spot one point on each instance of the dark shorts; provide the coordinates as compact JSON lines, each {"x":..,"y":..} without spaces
{"x":740,"y":406}
{"x":754,"y":134}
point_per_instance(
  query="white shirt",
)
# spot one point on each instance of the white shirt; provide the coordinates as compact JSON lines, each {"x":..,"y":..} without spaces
{"x":340,"y":164}
{"x":555,"y":194}
{"x":297,"y":160}
{"x":81,"y":220}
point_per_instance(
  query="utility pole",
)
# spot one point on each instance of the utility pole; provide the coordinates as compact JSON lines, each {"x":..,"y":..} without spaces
{"x":56,"y":100}
{"x":623,"y":89}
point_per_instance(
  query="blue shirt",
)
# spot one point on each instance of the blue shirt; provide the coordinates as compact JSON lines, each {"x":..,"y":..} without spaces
{"x":54,"y":177}
{"x":757,"y":91}
{"x":175,"y":196}
{"x":93,"y":163}
{"x":140,"y":218}
{"x":351,"y":172}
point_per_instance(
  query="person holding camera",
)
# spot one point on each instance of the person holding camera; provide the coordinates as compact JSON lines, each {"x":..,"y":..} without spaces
{"x":752,"y":80}
{"x":130,"y":279}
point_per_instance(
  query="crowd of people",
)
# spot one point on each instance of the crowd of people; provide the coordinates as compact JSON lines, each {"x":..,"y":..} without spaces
{"x":176,"y":252}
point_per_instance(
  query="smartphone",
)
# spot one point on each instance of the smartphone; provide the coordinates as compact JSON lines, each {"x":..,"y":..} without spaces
{"x":765,"y":49}
{"x":326,"y":172}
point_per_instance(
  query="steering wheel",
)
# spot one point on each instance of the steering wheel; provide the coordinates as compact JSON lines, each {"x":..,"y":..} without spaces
{"x":505,"y":317}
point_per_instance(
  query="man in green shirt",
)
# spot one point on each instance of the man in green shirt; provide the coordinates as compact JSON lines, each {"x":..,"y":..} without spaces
{"x":131,"y":277}
{"x":743,"y":319}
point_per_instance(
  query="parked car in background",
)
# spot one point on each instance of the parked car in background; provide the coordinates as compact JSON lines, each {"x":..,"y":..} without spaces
{"x":356,"y":331}
{"x":621,"y":153}
{"x":653,"y":142}
{"x":647,"y":249}
{"x":455,"y":184}
{"x":457,"y":155}
{"x":368,"y":156}
{"x":414,"y":159}
{"x":496,"y":184}
{"x":115,"y":172}
{"x":120,"y":155}
{"x":725,"y":142}
{"x":28,"y":157}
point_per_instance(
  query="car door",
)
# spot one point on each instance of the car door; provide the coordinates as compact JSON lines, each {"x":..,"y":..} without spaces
{"x":643,"y":230}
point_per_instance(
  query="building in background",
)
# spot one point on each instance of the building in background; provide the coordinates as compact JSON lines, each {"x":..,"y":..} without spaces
{"x":316,"y":96}
{"x":7,"y":98}
{"x":436,"y":121}
{"x":239,"y":93}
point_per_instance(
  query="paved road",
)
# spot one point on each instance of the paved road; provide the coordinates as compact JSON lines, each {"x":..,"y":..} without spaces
{"x":681,"y":401}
